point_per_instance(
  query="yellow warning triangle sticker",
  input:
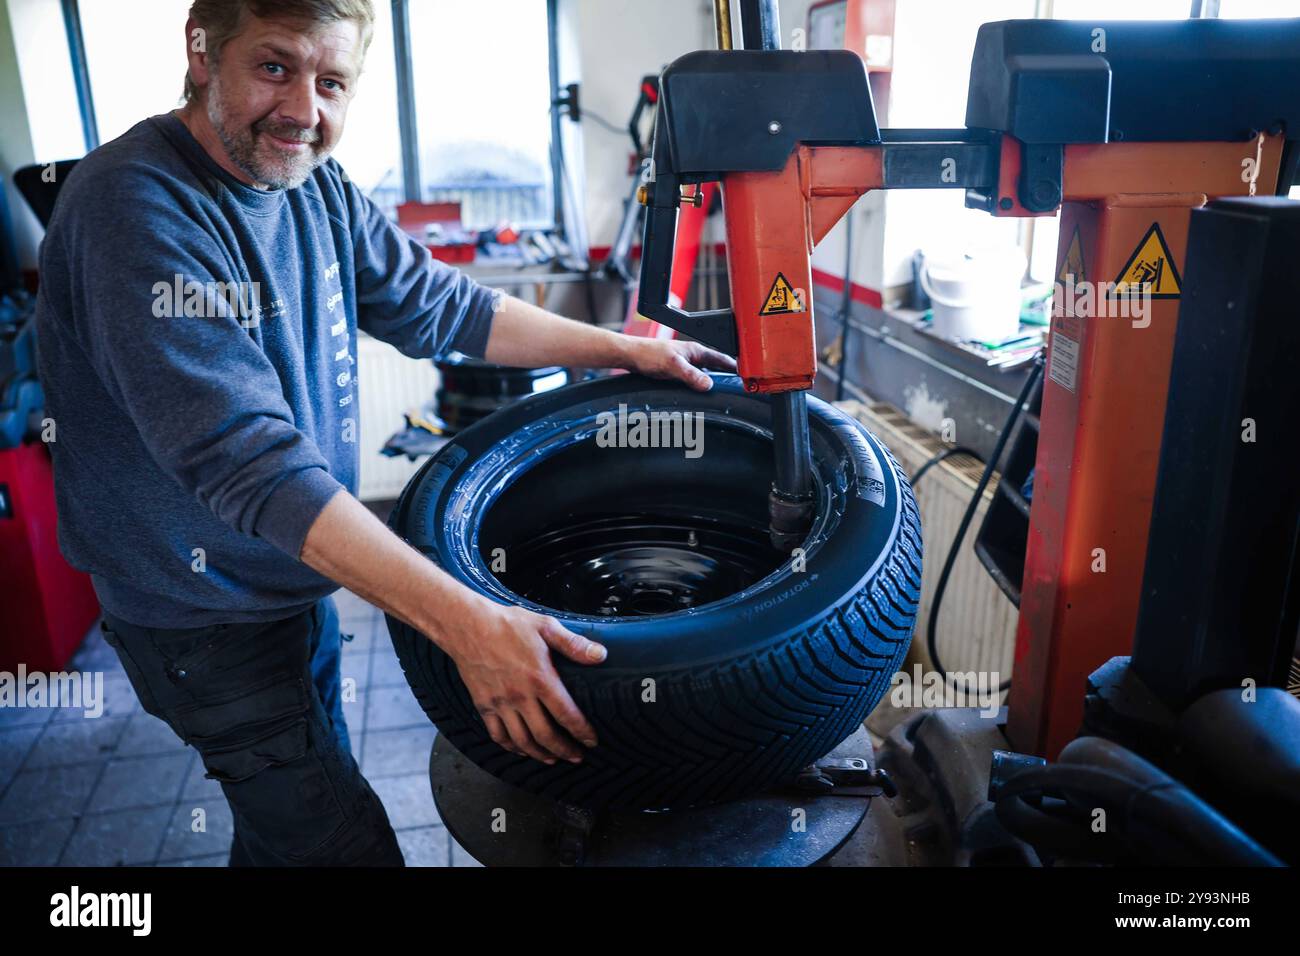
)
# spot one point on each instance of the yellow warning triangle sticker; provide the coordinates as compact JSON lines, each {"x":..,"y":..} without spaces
{"x":1151,"y":267}
{"x":783,"y":299}
{"x":1072,"y":264}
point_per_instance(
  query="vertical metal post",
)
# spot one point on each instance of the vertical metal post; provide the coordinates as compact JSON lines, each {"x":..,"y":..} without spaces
{"x":81,"y":73}
{"x":760,"y":22}
{"x":846,"y":307}
{"x":557,"y":151}
{"x":412,"y":181}
{"x":790,"y":418}
{"x":722,"y":22}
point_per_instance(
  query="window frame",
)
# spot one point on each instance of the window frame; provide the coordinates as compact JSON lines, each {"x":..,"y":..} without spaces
{"x":408,"y":125}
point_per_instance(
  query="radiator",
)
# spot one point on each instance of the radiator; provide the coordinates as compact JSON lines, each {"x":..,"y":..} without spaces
{"x":388,"y":384}
{"x":977,"y":624}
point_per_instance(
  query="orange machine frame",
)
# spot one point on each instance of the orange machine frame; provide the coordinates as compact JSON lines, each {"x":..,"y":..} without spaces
{"x":1099,"y":443}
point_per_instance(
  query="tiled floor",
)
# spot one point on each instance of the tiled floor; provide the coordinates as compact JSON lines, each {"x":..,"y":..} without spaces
{"x":123,"y":790}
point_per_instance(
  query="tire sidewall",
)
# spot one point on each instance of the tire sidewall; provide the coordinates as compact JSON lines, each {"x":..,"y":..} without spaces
{"x":862,"y":491}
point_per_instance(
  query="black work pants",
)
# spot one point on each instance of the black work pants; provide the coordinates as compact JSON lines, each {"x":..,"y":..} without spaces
{"x":245,"y":697}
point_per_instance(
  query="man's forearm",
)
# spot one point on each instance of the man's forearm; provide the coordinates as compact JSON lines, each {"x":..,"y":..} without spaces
{"x":526,"y":336}
{"x":502,"y":653}
{"x":351,"y":546}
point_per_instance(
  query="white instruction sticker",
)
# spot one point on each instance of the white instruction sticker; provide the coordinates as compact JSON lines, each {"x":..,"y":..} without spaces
{"x":1063,"y":364}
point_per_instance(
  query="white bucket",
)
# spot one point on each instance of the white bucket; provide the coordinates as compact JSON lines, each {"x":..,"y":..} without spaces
{"x":976,"y":295}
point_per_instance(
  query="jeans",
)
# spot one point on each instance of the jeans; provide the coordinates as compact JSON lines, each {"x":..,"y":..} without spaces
{"x":326,"y":671}
{"x":262,"y":704}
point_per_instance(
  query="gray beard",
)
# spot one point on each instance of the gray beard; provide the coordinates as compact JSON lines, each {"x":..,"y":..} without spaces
{"x":241,"y":147}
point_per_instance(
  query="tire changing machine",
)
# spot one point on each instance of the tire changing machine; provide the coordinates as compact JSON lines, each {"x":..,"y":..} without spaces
{"x":501,"y":825}
{"x":1129,"y":142}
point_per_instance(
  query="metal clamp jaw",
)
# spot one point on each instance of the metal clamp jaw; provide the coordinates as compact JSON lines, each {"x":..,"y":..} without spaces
{"x":716,"y":328}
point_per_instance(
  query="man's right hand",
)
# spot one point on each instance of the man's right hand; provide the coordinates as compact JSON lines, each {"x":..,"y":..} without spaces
{"x":504,"y":658}
{"x":503,"y":653}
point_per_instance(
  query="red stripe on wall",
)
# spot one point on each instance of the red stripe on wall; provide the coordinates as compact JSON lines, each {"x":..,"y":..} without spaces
{"x":860,"y":293}
{"x":601,"y":253}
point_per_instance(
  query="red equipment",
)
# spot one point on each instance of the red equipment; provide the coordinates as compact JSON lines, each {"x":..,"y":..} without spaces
{"x":1126,"y":145}
{"x":48,"y":606}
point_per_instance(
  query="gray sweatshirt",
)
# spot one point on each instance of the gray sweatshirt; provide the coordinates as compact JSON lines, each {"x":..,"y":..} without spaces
{"x":197,"y":344}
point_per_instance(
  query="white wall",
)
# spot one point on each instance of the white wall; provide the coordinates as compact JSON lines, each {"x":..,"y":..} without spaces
{"x":867,"y":214}
{"x":933,"y":42}
{"x":617,"y":43}
{"x":930,"y":79}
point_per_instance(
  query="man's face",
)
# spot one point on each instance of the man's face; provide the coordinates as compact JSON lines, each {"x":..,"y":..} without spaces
{"x":278,"y":96}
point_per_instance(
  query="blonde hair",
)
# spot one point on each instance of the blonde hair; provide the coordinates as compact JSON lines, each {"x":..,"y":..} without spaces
{"x":222,"y":20}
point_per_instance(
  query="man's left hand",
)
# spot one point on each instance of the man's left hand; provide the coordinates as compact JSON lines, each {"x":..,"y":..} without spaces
{"x":669,"y":358}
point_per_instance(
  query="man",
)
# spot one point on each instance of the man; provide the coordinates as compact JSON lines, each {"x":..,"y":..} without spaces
{"x":202,"y":283}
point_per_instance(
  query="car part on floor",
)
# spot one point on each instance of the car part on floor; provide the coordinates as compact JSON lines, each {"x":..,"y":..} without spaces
{"x":731,"y":665}
{"x":938,"y":758}
{"x":469,"y":390}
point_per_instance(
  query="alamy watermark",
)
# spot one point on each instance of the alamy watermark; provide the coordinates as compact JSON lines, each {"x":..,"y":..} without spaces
{"x":133,"y":911}
{"x":652,"y":429}
{"x":191,"y":299}
{"x":75,"y":691}
{"x":921,"y":688}
{"x":1102,"y":300}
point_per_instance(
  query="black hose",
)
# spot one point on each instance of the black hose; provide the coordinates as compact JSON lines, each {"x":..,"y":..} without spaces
{"x":931,"y":642}
{"x":1161,"y":814}
{"x":1045,"y":827}
{"x":846,"y":306}
{"x":944,"y":456}
{"x":601,"y":121}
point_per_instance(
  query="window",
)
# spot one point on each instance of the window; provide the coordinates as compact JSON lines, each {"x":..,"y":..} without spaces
{"x":371,"y":148}
{"x":482,"y":91}
{"x":135,"y":54}
{"x":483,"y":100}
{"x":49,"y":92}
{"x":137,"y":68}
{"x":928,"y":90}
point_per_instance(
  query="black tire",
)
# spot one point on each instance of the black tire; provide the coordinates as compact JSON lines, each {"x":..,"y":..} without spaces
{"x":471,"y":390}
{"x":747,"y":689}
